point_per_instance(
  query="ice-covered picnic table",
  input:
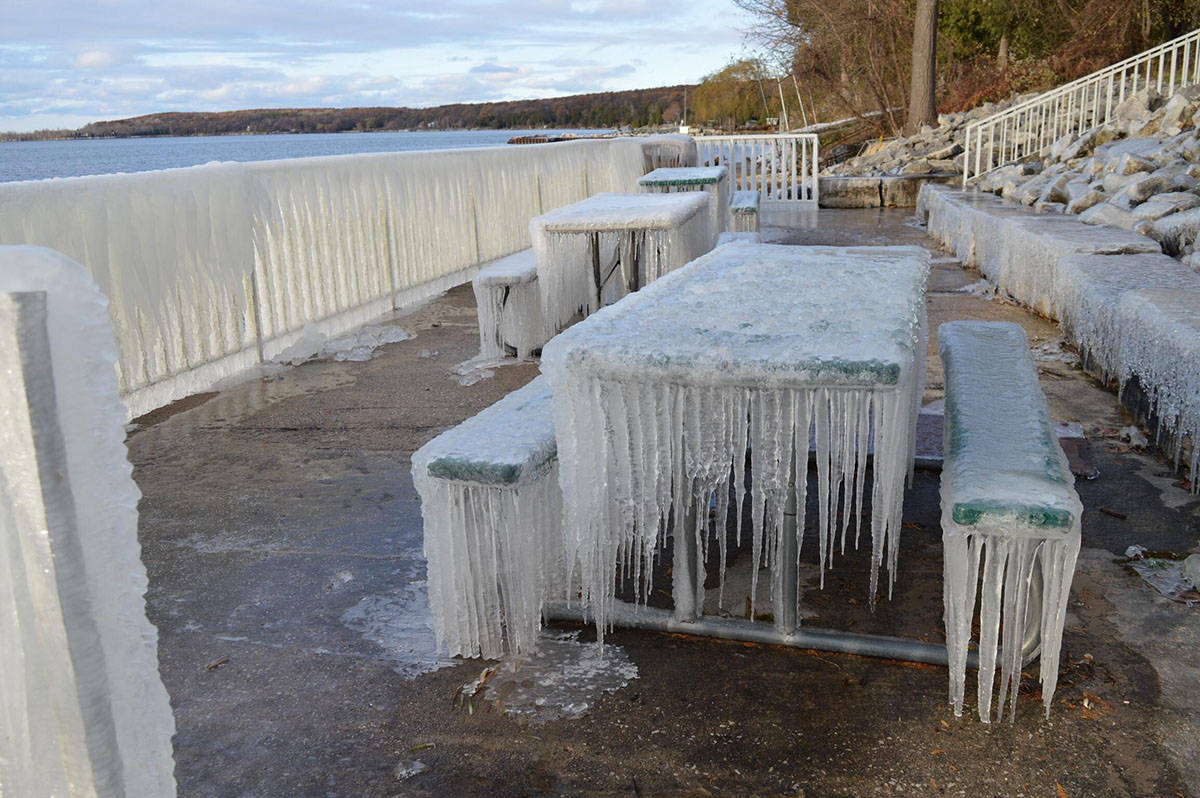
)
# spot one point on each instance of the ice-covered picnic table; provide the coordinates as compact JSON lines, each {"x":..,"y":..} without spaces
{"x":597,"y":250}
{"x":658,"y":398}
{"x":711,"y":179}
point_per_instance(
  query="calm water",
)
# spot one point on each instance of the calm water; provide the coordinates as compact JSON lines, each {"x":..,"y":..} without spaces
{"x":34,"y":160}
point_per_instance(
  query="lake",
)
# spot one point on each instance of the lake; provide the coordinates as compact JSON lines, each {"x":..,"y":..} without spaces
{"x":34,"y":160}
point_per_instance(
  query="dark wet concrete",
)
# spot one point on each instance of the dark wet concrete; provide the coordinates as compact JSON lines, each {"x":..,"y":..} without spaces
{"x":282,"y":536}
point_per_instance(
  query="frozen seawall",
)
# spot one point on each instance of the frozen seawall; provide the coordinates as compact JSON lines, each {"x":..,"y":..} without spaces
{"x":84,"y":709}
{"x":212,"y":269}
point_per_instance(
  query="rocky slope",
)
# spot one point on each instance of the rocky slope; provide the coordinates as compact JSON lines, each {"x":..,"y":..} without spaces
{"x":1140,"y":171}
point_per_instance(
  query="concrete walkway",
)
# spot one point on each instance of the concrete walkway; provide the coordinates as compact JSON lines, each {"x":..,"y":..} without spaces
{"x":283,"y":541}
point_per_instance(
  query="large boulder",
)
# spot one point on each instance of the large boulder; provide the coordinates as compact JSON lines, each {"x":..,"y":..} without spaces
{"x":1107,"y":213}
{"x":1140,"y":190}
{"x":1114,"y":182}
{"x":1165,"y":204}
{"x":1082,"y":202}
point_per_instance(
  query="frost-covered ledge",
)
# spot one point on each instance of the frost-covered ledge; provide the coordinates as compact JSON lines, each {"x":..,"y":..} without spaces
{"x":211,"y":269}
{"x":84,"y":709}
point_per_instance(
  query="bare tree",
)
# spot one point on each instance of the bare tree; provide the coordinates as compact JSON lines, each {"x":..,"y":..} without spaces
{"x":922,"y":105}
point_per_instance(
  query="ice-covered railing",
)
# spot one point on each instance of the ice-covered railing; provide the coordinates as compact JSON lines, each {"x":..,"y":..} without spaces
{"x":83,"y":709}
{"x":781,"y":167}
{"x":1031,"y":127}
{"x":211,"y":269}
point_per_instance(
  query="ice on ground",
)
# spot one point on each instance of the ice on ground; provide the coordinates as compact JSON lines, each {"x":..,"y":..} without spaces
{"x":1174,"y":579}
{"x":357,"y":346}
{"x":562,"y":679}
{"x":407,"y":768}
{"x":398,"y":623}
{"x":1054,"y":350}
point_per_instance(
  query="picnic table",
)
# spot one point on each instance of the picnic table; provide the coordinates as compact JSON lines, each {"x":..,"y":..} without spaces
{"x":595,"y":251}
{"x":658,"y":398}
{"x":714,"y":180}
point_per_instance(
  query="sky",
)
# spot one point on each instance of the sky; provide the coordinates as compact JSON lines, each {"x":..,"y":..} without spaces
{"x":64,"y":63}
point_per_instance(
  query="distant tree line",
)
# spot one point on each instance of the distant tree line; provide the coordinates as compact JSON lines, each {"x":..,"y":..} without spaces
{"x":636,"y":108}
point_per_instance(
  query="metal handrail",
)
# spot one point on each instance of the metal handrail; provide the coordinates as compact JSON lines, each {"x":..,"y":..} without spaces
{"x":1032,"y":126}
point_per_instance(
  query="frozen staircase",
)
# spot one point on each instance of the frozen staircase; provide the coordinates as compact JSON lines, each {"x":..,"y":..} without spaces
{"x":1031,"y":127}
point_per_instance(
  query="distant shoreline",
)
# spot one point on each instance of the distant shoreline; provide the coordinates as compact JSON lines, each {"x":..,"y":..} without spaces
{"x":636,"y":108}
{"x":72,"y":135}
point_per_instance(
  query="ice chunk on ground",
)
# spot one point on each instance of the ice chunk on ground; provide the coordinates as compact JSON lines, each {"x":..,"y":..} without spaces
{"x":562,"y":679}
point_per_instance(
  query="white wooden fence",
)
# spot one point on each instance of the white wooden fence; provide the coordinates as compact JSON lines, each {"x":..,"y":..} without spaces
{"x":1031,"y":127}
{"x":781,"y":167}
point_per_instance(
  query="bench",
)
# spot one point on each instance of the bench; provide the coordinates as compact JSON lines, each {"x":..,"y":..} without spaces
{"x":1008,"y":503}
{"x":743,"y":212}
{"x":730,"y":237}
{"x":492,"y":509}
{"x":509,"y":307}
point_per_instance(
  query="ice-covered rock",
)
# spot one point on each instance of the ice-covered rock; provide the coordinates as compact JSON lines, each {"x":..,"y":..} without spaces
{"x":1177,"y":231}
{"x":1165,"y":204}
{"x":1108,"y":213}
{"x":1082,"y":202}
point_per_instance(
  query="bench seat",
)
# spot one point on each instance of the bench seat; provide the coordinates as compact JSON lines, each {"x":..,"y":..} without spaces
{"x":492,"y":516}
{"x":743,"y":212}
{"x":509,"y":307}
{"x":1008,"y":504}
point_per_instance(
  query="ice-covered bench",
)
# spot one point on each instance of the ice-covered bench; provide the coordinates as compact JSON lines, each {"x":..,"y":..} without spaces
{"x":492,"y":510}
{"x":1008,"y":505}
{"x":743,"y":212}
{"x":509,"y":307}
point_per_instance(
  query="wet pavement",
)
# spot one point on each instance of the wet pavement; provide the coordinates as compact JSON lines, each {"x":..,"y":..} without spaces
{"x":282,"y":536}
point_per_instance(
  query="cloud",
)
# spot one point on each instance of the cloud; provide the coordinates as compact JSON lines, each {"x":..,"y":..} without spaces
{"x":95,"y":59}
{"x":114,"y":58}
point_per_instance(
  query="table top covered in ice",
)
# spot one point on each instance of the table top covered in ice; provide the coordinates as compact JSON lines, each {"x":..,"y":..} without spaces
{"x":761,"y":315}
{"x":603,"y":212}
{"x":684,"y":176}
{"x":506,"y":443}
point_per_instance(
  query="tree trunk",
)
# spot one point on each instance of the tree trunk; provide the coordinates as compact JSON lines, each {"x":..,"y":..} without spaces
{"x":1002,"y":52}
{"x":922,"y":108}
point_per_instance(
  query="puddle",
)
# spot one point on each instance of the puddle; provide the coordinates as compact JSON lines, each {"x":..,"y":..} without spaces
{"x":400,"y":624}
{"x":563,"y":679}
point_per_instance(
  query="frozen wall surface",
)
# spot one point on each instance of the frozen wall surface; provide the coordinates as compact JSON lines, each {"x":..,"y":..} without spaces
{"x":212,"y":269}
{"x":1110,"y":288}
{"x":83,"y":709}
